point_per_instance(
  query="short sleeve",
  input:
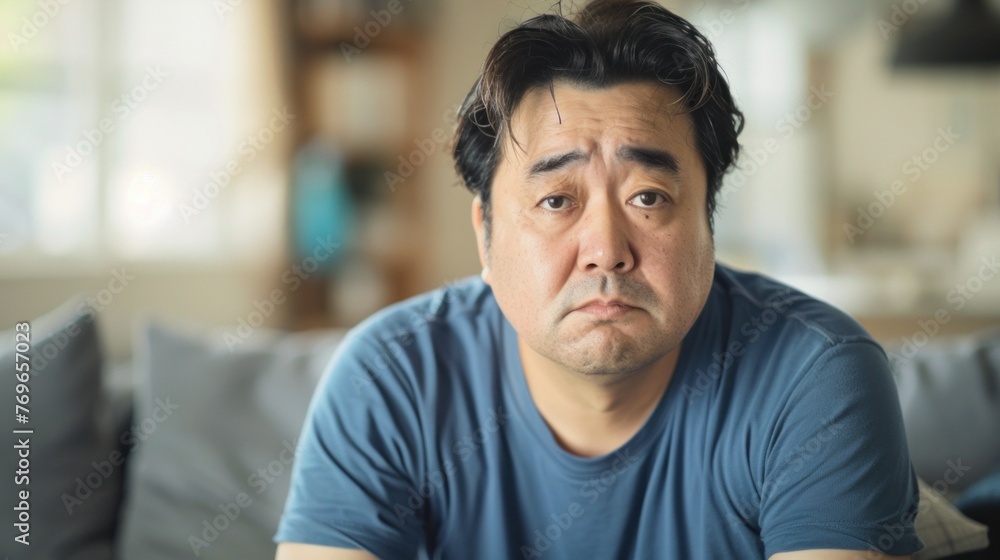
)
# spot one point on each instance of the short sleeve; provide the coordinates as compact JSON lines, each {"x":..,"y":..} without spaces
{"x":356,"y":458}
{"x":837,"y":472}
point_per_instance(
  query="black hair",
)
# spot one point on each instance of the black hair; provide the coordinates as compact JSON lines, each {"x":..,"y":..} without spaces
{"x":608,"y":42}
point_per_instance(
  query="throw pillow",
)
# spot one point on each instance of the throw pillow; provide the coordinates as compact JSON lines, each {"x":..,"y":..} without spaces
{"x":949,"y":393}
{"x":220,"y":417}
{"x":70,"y":464}
{"x":981,"y":502}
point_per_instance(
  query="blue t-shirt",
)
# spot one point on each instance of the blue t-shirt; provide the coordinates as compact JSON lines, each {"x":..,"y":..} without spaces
{"x":780,"y":430}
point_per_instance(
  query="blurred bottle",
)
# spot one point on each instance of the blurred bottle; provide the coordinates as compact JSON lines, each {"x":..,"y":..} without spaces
{"x":323,"y":211}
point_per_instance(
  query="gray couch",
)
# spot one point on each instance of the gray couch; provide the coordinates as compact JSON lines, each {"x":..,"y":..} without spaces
{"x":186,"y":451}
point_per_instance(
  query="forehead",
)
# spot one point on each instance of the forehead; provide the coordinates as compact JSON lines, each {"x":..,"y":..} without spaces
{"x":570,"y":116}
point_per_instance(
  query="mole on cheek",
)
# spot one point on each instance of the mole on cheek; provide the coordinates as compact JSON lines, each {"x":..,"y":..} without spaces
{"x":647,"y":216}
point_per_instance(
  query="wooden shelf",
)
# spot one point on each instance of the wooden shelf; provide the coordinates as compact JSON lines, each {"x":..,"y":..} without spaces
{"x":397,"y":42}
{"x":399,"y":47}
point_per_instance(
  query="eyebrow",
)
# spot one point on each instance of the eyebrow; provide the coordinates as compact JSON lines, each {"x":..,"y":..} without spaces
{"x":653,"y":159}
{"x":550,"y":164}
{"x":650,"y":158}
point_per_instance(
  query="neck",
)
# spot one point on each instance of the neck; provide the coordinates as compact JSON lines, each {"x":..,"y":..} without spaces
{"x":593,"y":415}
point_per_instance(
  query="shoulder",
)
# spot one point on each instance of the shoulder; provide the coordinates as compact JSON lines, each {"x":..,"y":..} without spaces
{"x":391,"y":347}
{"x":762,"y":308}
{"x":452,"y":307}
{"x":772,"y":338}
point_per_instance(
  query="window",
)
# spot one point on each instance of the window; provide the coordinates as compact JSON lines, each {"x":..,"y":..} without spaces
{"x":123,"y":131}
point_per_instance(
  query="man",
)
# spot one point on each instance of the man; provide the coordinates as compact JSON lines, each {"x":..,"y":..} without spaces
{"x":605,"y":390}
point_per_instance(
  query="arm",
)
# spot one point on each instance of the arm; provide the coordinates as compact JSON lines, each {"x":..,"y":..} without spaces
{"x":356,"y":462}
{"x":298,"y":551}
{"x":837,"y":480}
{"x":834,"y":555}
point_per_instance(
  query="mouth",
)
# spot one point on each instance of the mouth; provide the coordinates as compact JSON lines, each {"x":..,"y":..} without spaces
{"x":606,"y":309}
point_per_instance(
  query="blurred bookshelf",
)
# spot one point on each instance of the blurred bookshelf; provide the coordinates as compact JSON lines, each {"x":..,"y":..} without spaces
{"x":357,"y":75}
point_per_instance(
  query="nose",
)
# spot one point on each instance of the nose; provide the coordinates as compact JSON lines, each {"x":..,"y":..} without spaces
{"x":604,"y":241}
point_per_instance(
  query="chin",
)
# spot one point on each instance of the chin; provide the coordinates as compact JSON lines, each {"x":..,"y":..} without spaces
{"x":608,"y":369}
{"x":608,"y":355}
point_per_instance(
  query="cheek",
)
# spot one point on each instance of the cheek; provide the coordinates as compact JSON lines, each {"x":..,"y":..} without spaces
{"x":530,"y":267}
{"x":702,"y":265}
{"x":700,"y":256}
{"x":683,"y":256}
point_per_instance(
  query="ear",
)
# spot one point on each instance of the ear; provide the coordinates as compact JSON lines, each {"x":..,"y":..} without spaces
{"x":480,"y":228}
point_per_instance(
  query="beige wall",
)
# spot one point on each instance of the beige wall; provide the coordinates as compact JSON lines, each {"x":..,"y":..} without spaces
{"x":208,"y":295}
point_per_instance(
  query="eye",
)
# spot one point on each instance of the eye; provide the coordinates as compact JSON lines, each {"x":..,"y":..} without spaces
{"x":556,"y":202}
{"x":649,"y":199}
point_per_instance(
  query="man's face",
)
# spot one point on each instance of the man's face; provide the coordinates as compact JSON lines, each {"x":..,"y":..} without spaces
{"x":608,"y":204}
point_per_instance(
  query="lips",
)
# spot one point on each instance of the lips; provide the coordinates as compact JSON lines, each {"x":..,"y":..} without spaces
{"x":605,"y":309}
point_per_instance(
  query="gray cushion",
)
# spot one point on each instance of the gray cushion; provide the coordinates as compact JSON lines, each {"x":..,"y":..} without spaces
{"x":950,"y":397}
{"x":211,"y":478}
{"x":76,"y":476}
